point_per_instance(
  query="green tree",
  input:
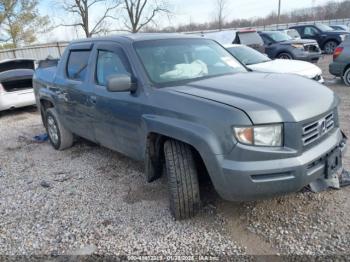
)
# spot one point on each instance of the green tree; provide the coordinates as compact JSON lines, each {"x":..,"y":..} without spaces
{"x":21,"y":22}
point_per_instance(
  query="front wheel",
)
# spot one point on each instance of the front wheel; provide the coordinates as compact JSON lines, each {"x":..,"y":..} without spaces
{"x":329,"y":47}
{"x":346,"y":77}
{"x":286,"y":56}
{"x":60,"y":138}
{"x":182,"y":179}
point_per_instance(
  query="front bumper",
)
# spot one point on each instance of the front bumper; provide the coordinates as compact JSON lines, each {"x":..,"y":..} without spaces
{"x":251,"y":180}
{"x":307,"y":56}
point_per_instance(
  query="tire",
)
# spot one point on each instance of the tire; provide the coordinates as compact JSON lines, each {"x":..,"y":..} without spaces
{"x":285,"y":55}
{"x":346,"y":77}
{"x":182,"y":179}
{"x":330,"y":46}
{"x":60,"y":138}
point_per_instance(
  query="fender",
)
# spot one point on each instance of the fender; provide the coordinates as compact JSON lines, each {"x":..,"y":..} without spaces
{"x":198,"y":136}
{"x":45,"y":94}
{"x":194,"y":134}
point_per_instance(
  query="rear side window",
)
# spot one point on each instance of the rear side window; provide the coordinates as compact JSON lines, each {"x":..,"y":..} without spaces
{"x":77,"y":64}
{"x":310,"y":31}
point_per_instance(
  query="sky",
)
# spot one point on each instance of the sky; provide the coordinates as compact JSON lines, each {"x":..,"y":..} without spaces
{"x":184,"y":11}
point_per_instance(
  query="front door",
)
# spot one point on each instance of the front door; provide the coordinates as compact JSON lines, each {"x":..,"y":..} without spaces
{"x":117,"y":123}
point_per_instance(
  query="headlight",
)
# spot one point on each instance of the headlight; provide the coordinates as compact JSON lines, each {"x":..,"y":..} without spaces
{"x":299,"y":46}
{"x":266,"y":135}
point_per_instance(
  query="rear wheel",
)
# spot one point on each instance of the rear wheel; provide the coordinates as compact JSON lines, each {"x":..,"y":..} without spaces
{"x":285,"y":56}
{"x":59,"y":136}
{"x":182,"y":179}
{"x":346,"y":77}
{"x":330,"y":46}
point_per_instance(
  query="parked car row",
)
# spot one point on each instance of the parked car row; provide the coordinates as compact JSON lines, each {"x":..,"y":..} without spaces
{"x":185,"y":105}
{"x":275,"y":44}
{"x":326,"y":37}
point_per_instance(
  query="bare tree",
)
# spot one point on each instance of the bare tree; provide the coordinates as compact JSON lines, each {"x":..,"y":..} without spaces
{"x":220,"y":12}
{"x":142,"y":12}
{"x":81,"y":9}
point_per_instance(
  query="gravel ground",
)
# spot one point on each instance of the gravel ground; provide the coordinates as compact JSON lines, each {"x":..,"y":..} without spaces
{"x":89,"y":199}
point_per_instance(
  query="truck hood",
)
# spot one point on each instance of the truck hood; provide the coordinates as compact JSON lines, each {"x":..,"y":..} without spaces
{"x":265,"y":98}
{"x":302,"y":68}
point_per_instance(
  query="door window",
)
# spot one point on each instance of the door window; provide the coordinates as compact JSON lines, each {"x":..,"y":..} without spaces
{"x":77,"y":64}
{"x":310,"y":31}
{"x":110,"y":63}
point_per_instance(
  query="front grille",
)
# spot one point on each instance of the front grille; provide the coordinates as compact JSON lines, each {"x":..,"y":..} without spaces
{"x":311,"y":48}
{"x":317,"y":129}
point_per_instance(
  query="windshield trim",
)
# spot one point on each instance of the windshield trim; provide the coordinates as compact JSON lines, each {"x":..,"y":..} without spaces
{"x":184,"y":81}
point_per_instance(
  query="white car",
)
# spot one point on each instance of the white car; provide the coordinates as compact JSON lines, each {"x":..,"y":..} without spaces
{"x":259,"y":62}
{"x":16,"y":89}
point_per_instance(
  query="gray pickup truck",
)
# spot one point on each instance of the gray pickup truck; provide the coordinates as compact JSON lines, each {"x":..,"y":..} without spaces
{"x":186,"y":104}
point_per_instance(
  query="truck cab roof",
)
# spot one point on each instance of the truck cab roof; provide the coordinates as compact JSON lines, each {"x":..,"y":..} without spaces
{"x":137,"y":37}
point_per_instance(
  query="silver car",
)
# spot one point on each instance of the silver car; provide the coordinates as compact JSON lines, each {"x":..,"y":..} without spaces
{"x":16,"y":89}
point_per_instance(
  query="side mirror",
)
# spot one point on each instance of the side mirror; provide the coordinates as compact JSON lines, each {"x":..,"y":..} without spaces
{"x":120,"y":83}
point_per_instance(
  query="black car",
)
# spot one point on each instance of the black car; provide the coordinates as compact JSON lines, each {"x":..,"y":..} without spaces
{"x":327,"y":38}
{"x":280,"y":45}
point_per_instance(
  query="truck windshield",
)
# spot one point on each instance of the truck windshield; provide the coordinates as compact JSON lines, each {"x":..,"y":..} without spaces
{"x":173,"y":60}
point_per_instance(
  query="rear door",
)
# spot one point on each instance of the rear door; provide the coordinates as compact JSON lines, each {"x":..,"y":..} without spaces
{"x":75,"y":92}
{"x":117,"y":121}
